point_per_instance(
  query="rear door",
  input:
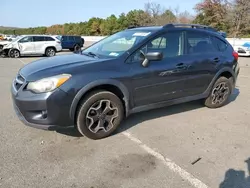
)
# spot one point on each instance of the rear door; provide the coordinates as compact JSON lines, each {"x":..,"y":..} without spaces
{"x":71,"y":41}
{"x":65,"y":43}
{"x":39,"y":42}
{"x":26,"y":45}
{"x":202,"y":58}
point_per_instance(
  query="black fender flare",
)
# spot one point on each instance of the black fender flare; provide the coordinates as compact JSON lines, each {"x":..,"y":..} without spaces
{"x":217,"y":75}
{"x":97,"y":83}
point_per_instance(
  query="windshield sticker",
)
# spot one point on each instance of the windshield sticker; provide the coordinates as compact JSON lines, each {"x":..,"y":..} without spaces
{"x":113,"y":54}
{"x":141,"y":34}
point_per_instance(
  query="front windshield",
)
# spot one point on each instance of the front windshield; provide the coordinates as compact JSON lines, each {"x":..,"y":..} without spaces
{"x":16,"y":39}
{"x":117,"y":44}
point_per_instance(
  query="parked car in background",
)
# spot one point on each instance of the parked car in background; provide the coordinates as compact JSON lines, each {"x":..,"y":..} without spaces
{"x":3,"y":43}
{"x":131,"y":71}
{"x":10,"y":37}
{"x":1,"y":37}
{"x":243,"y":50}
{"x":32,"y":45}
{"x":73,"y":43}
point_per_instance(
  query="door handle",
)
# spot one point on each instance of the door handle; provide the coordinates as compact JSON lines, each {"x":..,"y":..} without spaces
{"x":216,"y":60}
{"x":181,"y":66}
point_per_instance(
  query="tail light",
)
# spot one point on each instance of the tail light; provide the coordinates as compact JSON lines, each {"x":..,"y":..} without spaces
{"x":236,"y":55}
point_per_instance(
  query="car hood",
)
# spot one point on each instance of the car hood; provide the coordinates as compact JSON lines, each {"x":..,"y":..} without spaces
{"x":54,"y":65}
{"x":4,"y":42}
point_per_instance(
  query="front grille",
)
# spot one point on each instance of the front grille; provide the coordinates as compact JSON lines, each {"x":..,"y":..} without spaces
{"x":18,"y":82}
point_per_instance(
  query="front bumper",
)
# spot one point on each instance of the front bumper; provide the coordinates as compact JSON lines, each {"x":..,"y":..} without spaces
{"x":47,"y":111}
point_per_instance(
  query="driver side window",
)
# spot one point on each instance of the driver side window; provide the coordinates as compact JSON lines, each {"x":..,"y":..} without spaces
{"x":169,"y":44}
{"x":26,"y":39}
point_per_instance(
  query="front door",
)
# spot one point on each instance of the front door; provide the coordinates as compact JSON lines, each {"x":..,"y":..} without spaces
{"x":26,"y":45}
{"x":162,"y":80}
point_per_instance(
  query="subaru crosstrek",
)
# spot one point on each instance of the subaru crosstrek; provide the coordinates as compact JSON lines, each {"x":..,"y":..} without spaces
{"x":133,"y":70}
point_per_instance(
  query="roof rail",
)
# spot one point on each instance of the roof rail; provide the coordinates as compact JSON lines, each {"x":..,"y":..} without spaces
{"x":131,"y":27}
{"x":197,"y":26}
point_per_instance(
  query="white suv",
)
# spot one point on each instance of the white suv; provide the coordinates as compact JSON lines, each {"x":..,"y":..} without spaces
{"x":32,"y":45}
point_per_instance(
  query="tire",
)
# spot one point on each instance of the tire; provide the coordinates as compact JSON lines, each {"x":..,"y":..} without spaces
{"x":220,"y":93}
{"x":14,"y":53}
{"x":91,"y":113}
{"x":49,"y":52}
{"x":77,"y":48}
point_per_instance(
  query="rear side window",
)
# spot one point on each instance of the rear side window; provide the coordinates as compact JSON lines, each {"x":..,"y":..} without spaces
{"x":71,"y":38}
{"x":49,"y":39}
{"x":199,"y":42}
{"x":38,"y":38}
{"x":219,"y":44}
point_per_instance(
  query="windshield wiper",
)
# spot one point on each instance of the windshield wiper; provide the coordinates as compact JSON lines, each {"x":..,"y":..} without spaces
{"x":91,"y":54}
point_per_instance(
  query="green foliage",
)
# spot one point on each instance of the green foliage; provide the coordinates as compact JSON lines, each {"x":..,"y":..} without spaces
{"x":95,"y":26}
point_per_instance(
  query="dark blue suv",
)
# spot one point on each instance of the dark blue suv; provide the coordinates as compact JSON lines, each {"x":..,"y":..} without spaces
{"x":131,"y":71}
{"x":73,"y":43}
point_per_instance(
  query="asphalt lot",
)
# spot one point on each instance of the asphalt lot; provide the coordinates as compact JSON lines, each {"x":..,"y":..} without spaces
{"x":151,"y":149}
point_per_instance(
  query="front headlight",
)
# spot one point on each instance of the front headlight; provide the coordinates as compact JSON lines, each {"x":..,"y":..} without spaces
{"x":48,"y":84}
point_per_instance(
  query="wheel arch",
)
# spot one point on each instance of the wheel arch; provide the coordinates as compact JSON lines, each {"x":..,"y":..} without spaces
{"x":226,"y":72}
{"x":113,"y":86}
{"x":10,"y":49}
{"x":50,"y":47}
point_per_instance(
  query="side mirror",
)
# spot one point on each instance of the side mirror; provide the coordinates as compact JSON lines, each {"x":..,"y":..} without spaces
{"x":151,"y":56}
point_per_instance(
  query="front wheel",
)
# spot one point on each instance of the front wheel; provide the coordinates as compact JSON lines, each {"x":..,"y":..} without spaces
{"x":99,"y":115}
{"x":50,"y":52}
{"x":14,"y":53}
{"x":220,"y":93}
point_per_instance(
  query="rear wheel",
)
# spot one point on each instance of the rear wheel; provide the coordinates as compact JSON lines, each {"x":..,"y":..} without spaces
{"x":220,"y":93}
{"x":77,"y":47}
{"x":50,"y":52}
{"x":14,"y":53}
{"x":99,"y":115}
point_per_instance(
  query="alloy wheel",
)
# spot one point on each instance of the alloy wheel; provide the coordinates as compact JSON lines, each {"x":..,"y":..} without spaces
{"x":14,"y":54}
{"x":50,"y":52}
{"x":101,"y":115}
{"x":220,"y":93}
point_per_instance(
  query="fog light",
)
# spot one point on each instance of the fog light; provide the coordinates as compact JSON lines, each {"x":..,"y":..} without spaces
{"x":44,"y":114}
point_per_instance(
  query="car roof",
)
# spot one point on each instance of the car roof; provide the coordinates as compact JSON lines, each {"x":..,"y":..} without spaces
{"x":171,"y":26}
{"x":38,"y":35}
{"x":147,"y":28}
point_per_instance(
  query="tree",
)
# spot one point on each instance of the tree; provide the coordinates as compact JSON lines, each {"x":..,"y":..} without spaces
{"x":165,"y":18}
{"x":185,"y":17}
{"x":138,"y":18}
{"x":213,"y":13}
{"x":239,"y":17}
{"x":154,"y":9}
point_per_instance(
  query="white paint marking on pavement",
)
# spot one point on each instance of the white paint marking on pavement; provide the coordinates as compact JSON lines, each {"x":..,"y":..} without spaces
{"x":21,"y":61}
{"x":167,"y":162}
